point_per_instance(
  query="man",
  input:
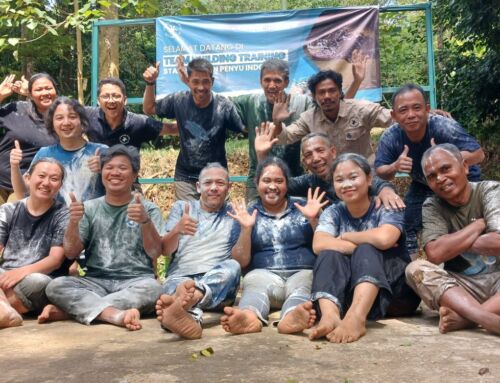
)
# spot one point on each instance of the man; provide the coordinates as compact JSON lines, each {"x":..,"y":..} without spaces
{"x":202,"y":274}
{"x":404,"y":143}
{"x":346,"y":122}
{"x":461,"y":230}
{"x":202,"y":120}
{"x":318,"y":155}
{"x":119,"y":233}
{"x":31,"y":243}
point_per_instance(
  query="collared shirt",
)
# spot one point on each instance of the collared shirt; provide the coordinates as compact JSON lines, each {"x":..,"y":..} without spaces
{"x":350,"y":132}
{"x":134,"y":130}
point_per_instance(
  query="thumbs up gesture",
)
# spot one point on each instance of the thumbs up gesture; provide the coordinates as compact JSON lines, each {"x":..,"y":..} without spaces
{"x":404,"y":163}
{"x":136,"y":211}
{"x":76,"y":209}
{"x":151,"y":73}
{"x":187,"y":225}
{"x":16,"y":155}
{"x":94,"y":162}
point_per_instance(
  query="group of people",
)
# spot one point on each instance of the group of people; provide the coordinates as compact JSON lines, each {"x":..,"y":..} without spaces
{"x":332,"y":248}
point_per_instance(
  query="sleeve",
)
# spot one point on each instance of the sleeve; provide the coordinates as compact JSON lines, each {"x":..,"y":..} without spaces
{"x":298,"y":186}
{"x":165,"y":107}
{"x":391,"y":217}
{"x":328,"y":222}
{"x":240,"y":103}
{"x":490,"y":195}
{"x":378,"y":115}
{"x":5,"y":218}
{"x":151,"y":128}
{"x":447,"y":130}
{"x":234,"y":122}
{"x":378,"y":184}
{"x":387,"y":148}
{"x":60,"y":224}
{"x":433,"y":222}
{"x":294,"y":132}
{"x":175,"y":215}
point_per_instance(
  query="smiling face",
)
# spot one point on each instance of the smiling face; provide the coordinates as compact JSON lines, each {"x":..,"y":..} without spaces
{"x":45,"y":181}
{"x":43,"y":93}
{"x":272,"y":188}
{"x":273,"y":82}
{"x":351,"y":183}
{"x":67,"y":123}
{"x":327,"y":95}
{"x":213,"y":187}
{"x":118,"y":175}
{"x":112,"y":101}
{"x":318,"y":157}
{"x":200,"y":84}
{"x":447,"y":177}
{"x":411,"y":112}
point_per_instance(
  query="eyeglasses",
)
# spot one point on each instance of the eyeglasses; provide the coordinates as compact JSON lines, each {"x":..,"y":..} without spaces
{"x":114,"y":96}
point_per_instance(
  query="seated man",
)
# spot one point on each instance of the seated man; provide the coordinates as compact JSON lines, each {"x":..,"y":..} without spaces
{"x":119,"y":234}
{"x":401,"y":147}
{"x":31,"y":240}
{"x":202,"y":274}
{"x":462,"y":229}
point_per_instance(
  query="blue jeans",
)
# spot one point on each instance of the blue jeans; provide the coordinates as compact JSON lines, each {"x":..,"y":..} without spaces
{"x":264,"y":289}
{"x":414,"y":199}
{"x":85,"y":298}
{"x":219,"y":285}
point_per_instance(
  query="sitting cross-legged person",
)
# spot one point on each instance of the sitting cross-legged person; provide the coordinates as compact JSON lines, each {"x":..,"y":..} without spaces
{"x":31,"y":243}
{"x":462,"y":230}
{"x":119,"y":233}
{"x":202,"y":274}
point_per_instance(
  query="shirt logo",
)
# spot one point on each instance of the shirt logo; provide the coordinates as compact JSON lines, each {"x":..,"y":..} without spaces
{"x":354,"y":122}
{"x":124,"y":139}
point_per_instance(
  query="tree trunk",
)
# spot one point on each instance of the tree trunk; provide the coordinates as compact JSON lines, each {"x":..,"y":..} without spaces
{"x":79,"y":58}
{"x":108,"y":46}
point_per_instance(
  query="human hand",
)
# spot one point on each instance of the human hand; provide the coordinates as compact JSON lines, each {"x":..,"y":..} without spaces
{"x":94,"y":162}
{"x":16,"y":155}
{"x":358,"y":65}
{"x":389,"y":199}
{"x":21,"y":87}
{"x":187,"y":225}
{"x":314,"y":204}
{"x":136,"y":211}
{"x":76,"y":209}
{"x":151,"y":73}
{"x":264,"y":140}
{"x":440,"y":112}
{"x":181,"y":69}
{"x":6,"y":86}
{"x":404,"y":163}
{"x":280,"y":107}
{"x":12,"y":277}
{"x":241,"y":214}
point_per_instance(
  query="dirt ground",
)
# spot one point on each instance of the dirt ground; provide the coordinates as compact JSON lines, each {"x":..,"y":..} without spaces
{"x":394,"y":350}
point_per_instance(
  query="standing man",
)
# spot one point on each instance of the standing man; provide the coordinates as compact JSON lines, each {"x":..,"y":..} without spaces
{"x":462,"y":230}
{"x":119,"y":233}
{"x":401,"y":148}
{"x":202,"y":119}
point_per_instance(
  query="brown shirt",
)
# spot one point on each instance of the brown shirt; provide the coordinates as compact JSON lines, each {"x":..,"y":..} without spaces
{"x":350,"y":132}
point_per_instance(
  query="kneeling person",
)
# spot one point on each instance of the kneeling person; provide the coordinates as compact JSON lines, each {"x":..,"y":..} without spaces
{"x":31,"y":240}
{"x":202,"y":274}
{"x":119,"y":233}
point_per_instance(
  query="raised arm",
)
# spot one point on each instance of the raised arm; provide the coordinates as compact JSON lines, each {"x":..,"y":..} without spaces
{"x":169,"y":128}
{"x":403,"y":164}
{"x":16,"y":177}
{"x":264,"y":140}
{"x":358,"y":72}
{"x":6,"y":87}
{"x":312,"y":209}
{"x":150,"y":75}
{"x":73,"y":244}
{"x":242,"y":250}
{"x":187,"y":225}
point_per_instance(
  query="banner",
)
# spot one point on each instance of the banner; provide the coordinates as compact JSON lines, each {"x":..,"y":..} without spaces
{"x":237,"y":45}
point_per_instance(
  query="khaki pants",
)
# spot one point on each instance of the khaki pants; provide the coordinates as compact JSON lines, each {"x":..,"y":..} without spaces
{"x":186,"y":191}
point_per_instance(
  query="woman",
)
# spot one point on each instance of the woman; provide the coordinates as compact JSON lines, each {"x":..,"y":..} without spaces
{"x":66,"y":119}
{"x":275,"y":244}
{"x":362,"y":256}
{"x":24,"y":121}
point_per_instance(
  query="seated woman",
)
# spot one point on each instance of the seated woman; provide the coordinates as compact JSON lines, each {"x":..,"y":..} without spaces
{"x":66,"y":119}
{"x":359,"y":272}
{"x":31,"y":239}
{"x":275,"y":243}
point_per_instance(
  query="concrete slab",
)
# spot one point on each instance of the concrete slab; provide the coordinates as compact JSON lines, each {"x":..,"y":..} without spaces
{"x":402,"y":350}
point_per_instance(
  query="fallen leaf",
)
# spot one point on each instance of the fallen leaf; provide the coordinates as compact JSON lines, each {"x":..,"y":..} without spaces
{"x":484,"y":370}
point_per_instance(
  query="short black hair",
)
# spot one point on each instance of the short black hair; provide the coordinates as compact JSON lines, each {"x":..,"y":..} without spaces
{"x":75,"y":105}
{"x":51,"y":160}
{"x":358,"y":159}
{"x":408,"y":88}
{"x":121,"y":150}
{"x":38,"y":76}
{"x":113,"y":81}
{"x":200,"y":65}
{"x":275,"y":65}
{"x":272,"y":161}
{"x":323,"y":75}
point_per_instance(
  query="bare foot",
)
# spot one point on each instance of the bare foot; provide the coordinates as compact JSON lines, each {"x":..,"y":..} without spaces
{"x":350,"y":329}
{"x":238,"y":321}
{"x":131,"y":320}
{"x":324,"y":327}
{"x":188,"y":293}
{"x":297,"y":320}
{"x":449,"y":320}
{"x":51,"y":313}
{"x":9,"y":317}
{"x":176,"y":319}
{"x":161,"y":304}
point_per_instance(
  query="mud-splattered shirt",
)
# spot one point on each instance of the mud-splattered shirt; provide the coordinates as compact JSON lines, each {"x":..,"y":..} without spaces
{"x":282,"y":242}
{"x":27,"y":238}
{"x":215,"y":236}
{"x":202,"y":131}
{"x":78,"y":178}
{"x":442,"y":129}
{"x":336,"y":220}
{"x":440,"y":218}
{"x":113,"y":243}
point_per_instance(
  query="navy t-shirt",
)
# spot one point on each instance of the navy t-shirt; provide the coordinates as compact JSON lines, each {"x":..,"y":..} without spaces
{"x":20,"y":121}
{"x":135,"y":129}
{"x":442,"y":129}
{"x":202,"y":131}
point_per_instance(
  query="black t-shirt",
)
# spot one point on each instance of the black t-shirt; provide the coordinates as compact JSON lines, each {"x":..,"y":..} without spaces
{"x":202,"y":131}
{"x":20,"y":121}
{"x":134,"y":130}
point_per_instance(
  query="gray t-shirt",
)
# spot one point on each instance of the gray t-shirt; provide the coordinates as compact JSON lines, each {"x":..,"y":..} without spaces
{"x":216,"y":235}
{"x":440,"y":218}
{"x":26,"y":238}
{"x":113,"y":243}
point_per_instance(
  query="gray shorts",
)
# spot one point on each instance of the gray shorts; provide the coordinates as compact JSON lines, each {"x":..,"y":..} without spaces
{"x":431,"y":281}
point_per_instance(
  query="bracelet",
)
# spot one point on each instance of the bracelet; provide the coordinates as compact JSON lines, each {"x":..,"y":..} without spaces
{"x":146,"y":221}
{"x":150,"y":83}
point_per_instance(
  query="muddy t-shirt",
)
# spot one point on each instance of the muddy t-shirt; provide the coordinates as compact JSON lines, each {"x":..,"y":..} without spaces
{"x":442,"y":129}
{"x":113,"y":243}
{"x":202,"y":131}
{"x":27,"y":238}
{"x":78,"y":178}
